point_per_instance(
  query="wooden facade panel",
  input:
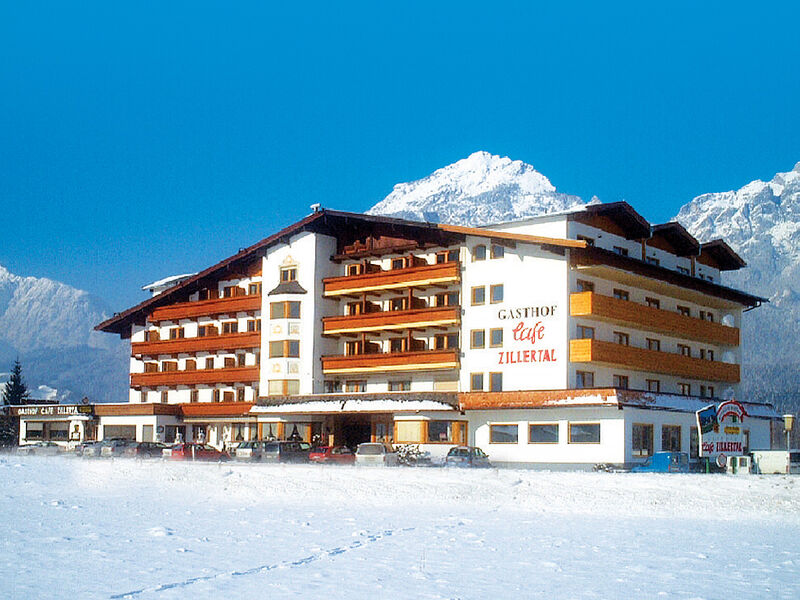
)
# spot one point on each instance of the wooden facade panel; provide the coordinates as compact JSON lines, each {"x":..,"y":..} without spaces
{"x":640,"y":316}
{"x":377,"y":321}
{"x":234,"y":341}
{"x":201,"y":376}
{"x":639,"y":359}
{"x":397,"y":361}
{"x":206,"y":308}
{"x":443,"y":273}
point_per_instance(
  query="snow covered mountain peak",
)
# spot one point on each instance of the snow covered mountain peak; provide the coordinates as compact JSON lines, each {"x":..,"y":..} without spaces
{"x":480,"y":189}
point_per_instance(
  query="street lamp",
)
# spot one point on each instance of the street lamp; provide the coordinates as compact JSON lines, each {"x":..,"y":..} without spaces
{"x":788,"y":423}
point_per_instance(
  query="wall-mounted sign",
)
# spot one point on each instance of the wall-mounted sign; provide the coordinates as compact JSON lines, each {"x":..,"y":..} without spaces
{"x":721,"y":430}
{"x":52,"y":410}
{"x":528,"y":335}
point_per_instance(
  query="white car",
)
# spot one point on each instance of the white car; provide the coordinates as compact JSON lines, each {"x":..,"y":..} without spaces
{"x":376,"y":453}
{"x":40,"y":449}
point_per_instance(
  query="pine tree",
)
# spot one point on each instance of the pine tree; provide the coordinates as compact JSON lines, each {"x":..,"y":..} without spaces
{"x":15,"y":391}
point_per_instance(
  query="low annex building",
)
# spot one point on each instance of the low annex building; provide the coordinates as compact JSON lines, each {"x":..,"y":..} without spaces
{"x":569,"y":339}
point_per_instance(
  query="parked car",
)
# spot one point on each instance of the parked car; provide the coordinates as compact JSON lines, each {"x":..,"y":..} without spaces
{"x":664,"y":462}
{"x":115,"y":447}
{"x":40,"y":448}
{"x":339,"y":455}
{"x":88,"y":448}
{"x":293,"y":452}
{"x":193,"y":451}
{"x":252,"y":450}
{"x":467,"y":456}
{"x":376,"y":453}
{"x":144,"y":449}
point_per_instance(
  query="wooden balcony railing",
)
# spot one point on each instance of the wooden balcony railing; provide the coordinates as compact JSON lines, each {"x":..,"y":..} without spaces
{"x":639,"y":359}
{"x":200,"y":376}
{"x":444,"y":273}
{"x":443,"y":316}
{"x":427,"y":360}
{"x":212,"y":343}
{"x":206,"y":308}
{"x":623,"y":312}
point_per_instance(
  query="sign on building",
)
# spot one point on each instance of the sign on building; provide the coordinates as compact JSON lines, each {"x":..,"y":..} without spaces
{"x":721,"y":431}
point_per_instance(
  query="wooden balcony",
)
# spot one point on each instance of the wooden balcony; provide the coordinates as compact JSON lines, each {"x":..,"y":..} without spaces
{"x":444,"y":316}
{"x":640,"y":316}
{"x":213,"y":343}
{"x":200,"y":376}
{"x":206,"y":308}
{"x":428,"y":360}
{"x":439,"y":274}
{"x":652,"y":361}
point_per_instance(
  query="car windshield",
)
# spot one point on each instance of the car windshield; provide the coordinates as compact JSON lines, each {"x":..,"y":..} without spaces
{"x":370,"y":449}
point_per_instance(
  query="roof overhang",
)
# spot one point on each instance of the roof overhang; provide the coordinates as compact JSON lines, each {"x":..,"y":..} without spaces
{"x":674,"y":234}
{"x":633,"y":225}
{"x":725,"y":259}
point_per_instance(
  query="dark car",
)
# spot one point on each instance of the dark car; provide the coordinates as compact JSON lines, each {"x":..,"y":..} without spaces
{"x":467,"y":456}
{"x":338,"y":455}
{"x":145,"y":450}
{"x":191,"y":451}
{"x":292,"y":452}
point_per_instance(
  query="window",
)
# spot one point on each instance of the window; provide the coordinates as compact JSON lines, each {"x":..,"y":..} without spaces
{"x":351,"y":270}
{"x":230,"y":327}
{"x":497,"y":251}
{"x":151,"y":367}
{"x":442,"y":341}
{"x":671,"y":438}
{"x":478,"y":295}
{"x":685,"y":389}
{"x":620,"y":250}
{"x":210,"y":362}
{"x":706,"y":354}
{"x":208,"y":294}
{"x":620,"y":381}
{"x":585,"y":333}
{"x":439,"y":431}
{"x":397,"y":344}
{"x":355,"y":386}
{"x":240,"y":394}
{"x":399,"y":386}
{"x":621,"y":338}
{"x":684,"y":350}
{"x":227,"y":396}
{"x":283,"y":387}
{"x":288,"y":274}
{"x":476,"y":382}
{"x":653,"y":385}
{"x":190,"y":365}
{"x":169,"y":365}
{"x":585,"y":286}
{"x":241,"y":360}
{"x":284,"y":310}
{"x":446,"y":299}
{"x":408,"y":431}
{"x":642,"y":439}
{"x":496,"y":338}
{"x":585,"y":238}
{"x":543,"y":433}
{"x":447,"y":256}
{"x":584,"y":433}
{"x":164,"y":397}
{"x":231,"y":291}
{"x":706,"y":315}
{"x":176,"y":333}
{"x":254,"y":289}
{"x":215,"y":396}
{"x":152,"y":335}
{"x":684,"y":310}
{"x":652,"y":302}
{"x":683,"y":270}
{"x":254,"y":325}
{"x":399,"y":263}
{"x":477,"y":338}
{"x":398,"y":303}
{"x":194,"y":396}
{"x":621,"y":295}
{"x":652,"y":260}
{"x":284,"y":348}
{"x":479,"y":252}
{"x":694,"y":443}
{"x":495,"y":382}
{"x":207,"y":330}
{"x":707,"y":391}
{"x":653,"y":344}
{"x":230,"y":362}
{"x":584,"y":379}
{"x":496,"y":293}
{"x":503,"y":434}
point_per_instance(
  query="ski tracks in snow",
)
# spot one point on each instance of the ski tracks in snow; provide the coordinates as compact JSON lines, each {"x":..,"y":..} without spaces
{"x":286,"y":564}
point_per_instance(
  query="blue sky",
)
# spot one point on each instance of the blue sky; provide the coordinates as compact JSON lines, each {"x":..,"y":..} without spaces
{"x":139,"y":140}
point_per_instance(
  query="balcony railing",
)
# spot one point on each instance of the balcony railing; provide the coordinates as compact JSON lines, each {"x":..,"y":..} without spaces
{"x":207,"y":308}
{"x":439,"y":274}
{"x":653,"y":361}
{"x":427,"y":360}
{"x":640,"y":316}
{"x":443,"y":316}
{"x":200,"y":376}
{"x":213,"y":343}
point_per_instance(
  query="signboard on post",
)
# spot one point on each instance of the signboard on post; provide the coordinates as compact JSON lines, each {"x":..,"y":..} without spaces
{"x":721,"y":430}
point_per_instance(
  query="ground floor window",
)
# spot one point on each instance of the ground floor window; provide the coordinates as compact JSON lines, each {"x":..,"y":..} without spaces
{"x":59,"y":432}
{"x":430,"y":432}
{"x":543,"y":433}
{"x":382,"y":432}
{"x":642,"y":439}
{"x":171,"y":433}
{"x":671,"y":438}
{"x":127,"y":432}
{"x":34,"y":430}
{"x":503,"y":434}
{"x":694,"y":444}
{"x":584,"y":433}
{"x":408,"y":431}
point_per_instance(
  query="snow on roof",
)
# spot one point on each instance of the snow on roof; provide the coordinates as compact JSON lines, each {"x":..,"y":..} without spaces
{"x":688,"y":403}
{"x":348,"y":405}
{"x":167,"y":281}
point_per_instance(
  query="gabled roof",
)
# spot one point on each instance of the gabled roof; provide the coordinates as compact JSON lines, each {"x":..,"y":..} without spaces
{"x":677,"y":237}
{"x":633,"y":225}
{"x":723,"y":255}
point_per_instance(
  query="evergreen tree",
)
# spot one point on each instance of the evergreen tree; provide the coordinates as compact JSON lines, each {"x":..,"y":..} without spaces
{"x":15,"y":392}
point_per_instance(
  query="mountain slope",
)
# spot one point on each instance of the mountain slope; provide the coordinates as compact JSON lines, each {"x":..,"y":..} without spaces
{"x":477,"y":190}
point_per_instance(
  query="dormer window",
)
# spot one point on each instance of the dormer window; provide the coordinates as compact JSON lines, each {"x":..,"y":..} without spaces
{"x":497,"y":251}
{"x":479,"y":253}
{"x":288,"y":274}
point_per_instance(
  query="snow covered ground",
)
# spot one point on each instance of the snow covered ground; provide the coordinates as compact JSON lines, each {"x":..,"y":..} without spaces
{"x":75,"y":528}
